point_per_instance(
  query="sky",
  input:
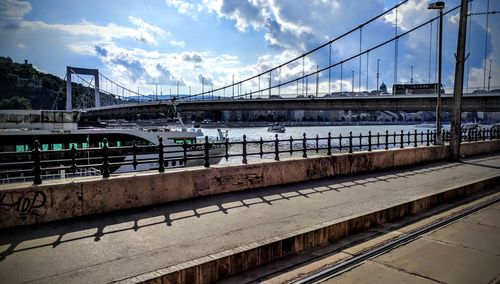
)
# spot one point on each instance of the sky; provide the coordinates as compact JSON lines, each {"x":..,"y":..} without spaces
{"x":157,"y":44}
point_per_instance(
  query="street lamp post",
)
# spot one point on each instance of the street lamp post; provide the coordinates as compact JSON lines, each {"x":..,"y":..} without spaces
{"x":378,"y":74}
{"x":411,"y":77}
{"x":439,"y":6}
{"x":352,"y":86}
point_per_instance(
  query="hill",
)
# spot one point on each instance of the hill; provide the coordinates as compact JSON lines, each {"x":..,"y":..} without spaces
{"x":24,"y":87}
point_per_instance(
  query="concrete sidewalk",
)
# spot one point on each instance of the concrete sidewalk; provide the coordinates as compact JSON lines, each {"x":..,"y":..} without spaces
{"x":123,"y":245}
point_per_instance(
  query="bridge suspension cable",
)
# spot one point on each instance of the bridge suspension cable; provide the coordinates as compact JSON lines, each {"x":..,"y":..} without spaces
{"x":302,"y":56}
{"x":304,"y":77}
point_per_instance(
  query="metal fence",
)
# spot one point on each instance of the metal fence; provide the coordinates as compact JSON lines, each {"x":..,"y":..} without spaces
{"x":36,"y":162}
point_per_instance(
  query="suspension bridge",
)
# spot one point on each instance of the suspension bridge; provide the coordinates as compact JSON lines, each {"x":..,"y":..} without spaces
{"x":313,"y":80}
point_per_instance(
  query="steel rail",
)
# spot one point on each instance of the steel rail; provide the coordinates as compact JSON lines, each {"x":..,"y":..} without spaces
{"x":338,"y":268}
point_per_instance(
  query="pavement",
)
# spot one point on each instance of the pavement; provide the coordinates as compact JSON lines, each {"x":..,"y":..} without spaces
{"x":119,"y":246}
{"x":466,"y":251}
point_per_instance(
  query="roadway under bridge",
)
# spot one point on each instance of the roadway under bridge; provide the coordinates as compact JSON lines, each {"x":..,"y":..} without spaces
{"x":410,"y":103}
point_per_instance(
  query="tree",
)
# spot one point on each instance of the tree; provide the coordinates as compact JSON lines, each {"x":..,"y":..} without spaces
{"x":15,"y":103}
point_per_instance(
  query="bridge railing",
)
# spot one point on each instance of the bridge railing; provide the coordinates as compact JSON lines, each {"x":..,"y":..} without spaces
{"x":36,"y":164}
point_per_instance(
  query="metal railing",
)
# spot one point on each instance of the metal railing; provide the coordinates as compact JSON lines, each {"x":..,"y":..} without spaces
{"x":108,"y":159}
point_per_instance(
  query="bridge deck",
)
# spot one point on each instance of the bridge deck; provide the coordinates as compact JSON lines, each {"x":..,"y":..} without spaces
{"x":118,"y":246}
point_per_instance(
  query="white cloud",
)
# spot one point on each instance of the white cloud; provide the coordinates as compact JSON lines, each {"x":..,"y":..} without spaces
{"x":184,"y":7}
{"x":13,"y":11}
{"x":20,"y":45}
{"x":455,"y":18}
{"x":176,"y":43}
{"x":146,"y":32}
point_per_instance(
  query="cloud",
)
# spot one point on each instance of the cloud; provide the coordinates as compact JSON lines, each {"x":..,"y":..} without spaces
{"x":176,"y":43}
{"x":12,"y":12}
{"x":20,"y":45}
{"x":206,"y":80}
{"x":146,"y":32}
{"x":184,"y":7}
{"x":191,"y":57}
{"x":101,"y":50}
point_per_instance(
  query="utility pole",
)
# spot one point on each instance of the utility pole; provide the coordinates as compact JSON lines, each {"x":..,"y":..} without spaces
{"x":458,"y":88}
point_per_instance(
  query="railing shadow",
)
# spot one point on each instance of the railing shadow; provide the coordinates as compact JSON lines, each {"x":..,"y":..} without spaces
{"x":170,"y":213}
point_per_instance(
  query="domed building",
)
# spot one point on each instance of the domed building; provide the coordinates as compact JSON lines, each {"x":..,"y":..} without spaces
{"x":383,"y":88}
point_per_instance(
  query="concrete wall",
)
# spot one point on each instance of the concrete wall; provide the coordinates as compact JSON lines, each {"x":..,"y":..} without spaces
{"x":24,"y":204}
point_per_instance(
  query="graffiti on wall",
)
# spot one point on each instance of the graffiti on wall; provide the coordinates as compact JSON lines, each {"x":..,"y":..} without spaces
{"x":23,"y":204}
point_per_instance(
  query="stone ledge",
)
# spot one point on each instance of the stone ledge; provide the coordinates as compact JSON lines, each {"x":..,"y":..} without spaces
{"x":25,"y":204}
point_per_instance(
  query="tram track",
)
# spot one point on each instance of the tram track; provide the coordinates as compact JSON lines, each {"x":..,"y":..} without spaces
{"x":332,"y":271}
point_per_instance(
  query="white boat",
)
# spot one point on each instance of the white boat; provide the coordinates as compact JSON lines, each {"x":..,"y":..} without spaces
{"x":58,"y":130}
{"x":471,"y":126}
{"x":276,"y":128}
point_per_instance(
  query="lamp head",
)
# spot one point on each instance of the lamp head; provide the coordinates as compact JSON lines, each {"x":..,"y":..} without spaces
{"x":439,"y":5}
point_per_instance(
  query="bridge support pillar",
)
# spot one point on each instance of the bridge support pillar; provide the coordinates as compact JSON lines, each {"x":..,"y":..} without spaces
{"x":75,"y":70}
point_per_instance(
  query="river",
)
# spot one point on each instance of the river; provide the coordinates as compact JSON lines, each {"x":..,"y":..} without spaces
{"x":255,"y":133}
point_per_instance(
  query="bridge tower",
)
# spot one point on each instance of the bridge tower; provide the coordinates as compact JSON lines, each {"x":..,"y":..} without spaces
{"x":75,"y":70}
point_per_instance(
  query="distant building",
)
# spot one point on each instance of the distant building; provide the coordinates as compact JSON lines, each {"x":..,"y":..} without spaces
{"x":383,"y":88}
{"x":33,"y":82}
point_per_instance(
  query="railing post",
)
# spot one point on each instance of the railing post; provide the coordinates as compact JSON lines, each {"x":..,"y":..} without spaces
{"x":226,"y":145}
{"x":161,"y":160}
{"x":134,"y":154}
{"x":409,"y":138}
{"x":73,"y":159}
{"x":340,"y":143}
{"x":387,"y":139}
{"x":394,"y":139}
{"x":378,"y":140}
{"x":350,"y":141}
{"x":105,"y":161}
{"x":484,"y":134}
{"x":207,"y":153}
{"x":317,"y":143}
{"x":428,"y":134}
{"x":415,"y":136}
{"x":402,"y":140}
{"x":369,"y":141}
{"x":475,"y":135}
{"x":434,"y":136}
{"x":184,"y":153}
{"x":329,"y":151}
{"x":261,"y":143}
{"x":37,"y":169}
{"x":276,"y":148}
{"x":291,"y":145}
{"x":360,"y":141}
{"x":421,"y":138}
{"x":304,"y":146}
{"x":244,"y":150}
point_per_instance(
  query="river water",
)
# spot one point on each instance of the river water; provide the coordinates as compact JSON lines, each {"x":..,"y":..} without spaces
{"x":296,"y":132}
{"x":255,"y":133}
